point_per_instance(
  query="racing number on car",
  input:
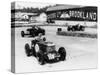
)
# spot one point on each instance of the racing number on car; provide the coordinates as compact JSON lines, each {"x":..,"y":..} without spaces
{"x":51,"y":56}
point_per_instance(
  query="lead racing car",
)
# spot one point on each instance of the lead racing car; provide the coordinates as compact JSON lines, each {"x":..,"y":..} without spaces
{"x":45,"y":52}
{"x":34,"y":31}
{"x":72,"y":28}
{"x":76,"y":28}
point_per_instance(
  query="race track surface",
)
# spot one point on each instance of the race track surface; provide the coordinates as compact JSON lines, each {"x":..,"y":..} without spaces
{"x":81,"y":52}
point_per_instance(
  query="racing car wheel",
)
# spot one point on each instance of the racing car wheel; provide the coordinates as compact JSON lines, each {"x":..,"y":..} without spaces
{"x":40,"y":58}
{"x":62,"y":53}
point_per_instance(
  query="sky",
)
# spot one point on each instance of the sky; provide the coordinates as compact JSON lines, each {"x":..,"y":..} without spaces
{"x":20,"y":5}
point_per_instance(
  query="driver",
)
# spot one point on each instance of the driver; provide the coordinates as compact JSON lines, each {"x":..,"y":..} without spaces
{"x":40,"y":38}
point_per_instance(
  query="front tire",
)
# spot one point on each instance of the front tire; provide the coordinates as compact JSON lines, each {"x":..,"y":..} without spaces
{"x":40,"y":59}
{"x":62,"y":53}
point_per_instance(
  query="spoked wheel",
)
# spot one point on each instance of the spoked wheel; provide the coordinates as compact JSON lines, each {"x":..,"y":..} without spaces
{"x":27,"y":50}
{"x":62,"y":53}
{"x":37,"y":48}
{"x":22,"y":33}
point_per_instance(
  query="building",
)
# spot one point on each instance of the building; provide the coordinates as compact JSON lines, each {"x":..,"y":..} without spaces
{"x":72,"y":14}
{"x":42,"y":17}
{"x":22,"y":16}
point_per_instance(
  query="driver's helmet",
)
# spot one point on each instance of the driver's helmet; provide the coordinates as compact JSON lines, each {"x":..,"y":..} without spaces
{"x":39,"y":37}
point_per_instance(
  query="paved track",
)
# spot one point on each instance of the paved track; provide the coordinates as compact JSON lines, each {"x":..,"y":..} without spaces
{"x":82,"y":52}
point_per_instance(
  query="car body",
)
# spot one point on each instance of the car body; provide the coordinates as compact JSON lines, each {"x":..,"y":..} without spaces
{"x":45,"y":52}
{"x":75,"y":28}
{"x":34,"y":31}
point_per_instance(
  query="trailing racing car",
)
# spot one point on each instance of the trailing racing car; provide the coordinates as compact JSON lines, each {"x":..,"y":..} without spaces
{"x":34,"y":31}
{"x":76,"y":28}
{"x":45,"y":52}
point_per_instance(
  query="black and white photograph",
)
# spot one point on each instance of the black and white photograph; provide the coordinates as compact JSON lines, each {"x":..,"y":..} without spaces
{"x":53,"y":37}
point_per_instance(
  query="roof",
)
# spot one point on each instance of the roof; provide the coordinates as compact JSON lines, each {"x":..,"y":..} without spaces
{"x":62,"y":7}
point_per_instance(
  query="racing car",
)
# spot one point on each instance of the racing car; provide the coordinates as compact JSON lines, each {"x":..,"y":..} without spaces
{"x":76,"y":28}
{"x":45,"y":52}
{"x":34,"y":31}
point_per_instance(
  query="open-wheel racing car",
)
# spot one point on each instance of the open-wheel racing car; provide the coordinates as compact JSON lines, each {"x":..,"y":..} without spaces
{"x":45,"y":52}
{"x":76,"y":28}
{"x":34,"y":31}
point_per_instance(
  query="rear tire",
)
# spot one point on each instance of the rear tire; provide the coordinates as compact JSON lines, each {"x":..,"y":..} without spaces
{"x":62,"y":53}
{"x":22,"y":33}
{"x":27,"y":50}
